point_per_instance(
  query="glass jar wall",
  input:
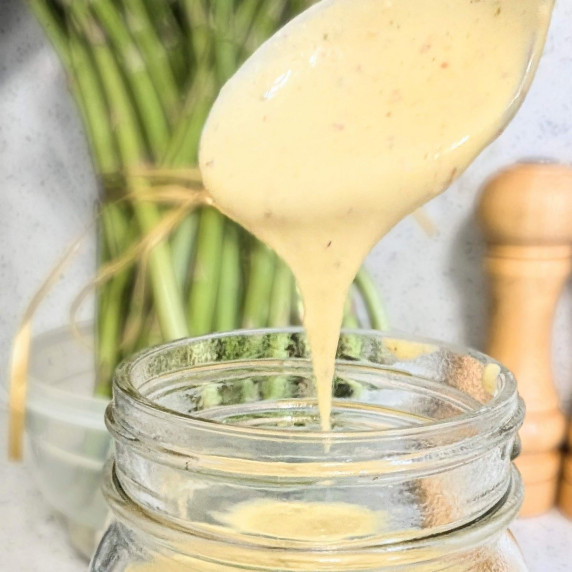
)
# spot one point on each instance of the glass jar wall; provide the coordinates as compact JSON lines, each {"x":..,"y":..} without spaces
{"x":220,"y":463}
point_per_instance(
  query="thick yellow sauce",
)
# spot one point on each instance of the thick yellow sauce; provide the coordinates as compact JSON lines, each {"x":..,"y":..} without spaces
{"x":405,"y":350}
{"x":304,"y":520}
{"x":490,"y":378}
{"x":353,"y":116}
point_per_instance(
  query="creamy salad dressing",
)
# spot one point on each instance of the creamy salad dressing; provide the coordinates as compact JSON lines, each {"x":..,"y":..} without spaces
{"x":351,"y":117}
{"x":348,"y":119}
{"x":304,"y":520}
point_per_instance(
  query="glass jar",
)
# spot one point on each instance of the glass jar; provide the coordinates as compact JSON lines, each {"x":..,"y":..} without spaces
{"x":220,"y":463}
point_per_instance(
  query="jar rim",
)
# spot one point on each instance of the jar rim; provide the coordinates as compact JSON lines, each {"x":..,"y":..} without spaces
{"x":396,"y":389}
{"x":504,"y":410}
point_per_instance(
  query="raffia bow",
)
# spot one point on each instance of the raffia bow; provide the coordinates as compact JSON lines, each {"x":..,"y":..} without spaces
{"x":182,"y":189}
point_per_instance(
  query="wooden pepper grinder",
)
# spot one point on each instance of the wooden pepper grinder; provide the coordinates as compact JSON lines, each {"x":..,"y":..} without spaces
{"x":526,"y":215}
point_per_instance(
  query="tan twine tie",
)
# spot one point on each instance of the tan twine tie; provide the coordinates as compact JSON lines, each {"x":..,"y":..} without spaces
{"x":179,"y":188}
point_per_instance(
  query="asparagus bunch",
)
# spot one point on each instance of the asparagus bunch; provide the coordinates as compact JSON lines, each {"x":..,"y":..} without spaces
{"x":144,"y":74}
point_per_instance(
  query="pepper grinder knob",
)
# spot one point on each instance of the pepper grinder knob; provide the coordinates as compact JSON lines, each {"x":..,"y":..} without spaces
{"x":526,"y":215}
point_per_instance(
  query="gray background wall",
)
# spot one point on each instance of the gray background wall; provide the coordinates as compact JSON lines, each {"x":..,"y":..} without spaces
{"x":432,"y":285}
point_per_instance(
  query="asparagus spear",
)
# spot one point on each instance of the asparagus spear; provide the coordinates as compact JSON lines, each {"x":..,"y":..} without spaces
{"x":374,"y":303}
{"x":350,"y":319}
{"x":206,"y":274}
{"x":130,"y":98}
{"x":131,"y":147}
{"x":229,"y":289}
{"x":146,"y":99}
{"x":280,"y":303}
{"x":259,"y":286}
{"x":115,"y":228}
{"x":172,"y":36}
{"x":155,"y":56}
{"x":182,"y":245}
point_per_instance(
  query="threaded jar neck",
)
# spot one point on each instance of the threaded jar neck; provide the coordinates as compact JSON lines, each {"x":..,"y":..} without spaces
{"x":423,"y":435}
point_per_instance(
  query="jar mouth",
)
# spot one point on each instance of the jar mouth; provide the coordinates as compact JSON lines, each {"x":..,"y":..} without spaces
{"x":489,"y":385}
{"x":202,"y":425}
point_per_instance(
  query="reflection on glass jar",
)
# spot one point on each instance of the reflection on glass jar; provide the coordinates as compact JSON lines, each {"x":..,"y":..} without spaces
{"x":220,"y":463}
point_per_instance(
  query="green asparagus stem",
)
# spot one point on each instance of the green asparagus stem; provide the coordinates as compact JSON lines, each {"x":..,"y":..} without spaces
{"x":278,"y":386}
{"x":146,"y":334}
{"x":126,"y":132}
{"x":168,"y":299}
{"x":297,"y":305}
{"x":200,"y":34}
{"x":112,"y":301}
{"x":94,"y":106}
{"x":280,"y":304}
{"x":172,"y":37}
{"x":151,"y":333}
{"x":206,"y":274}
{"x":228,"y":299}
{"x":109,"y":334}
{"x":294,"y":7}
{"x":203,"y":299}
{"x":147,"y":101}
{"x":137,"y":311}
{"x":225,"y":48}
{"x":267,"y":20}
{"x":182,"y":246}
{"x":184,"y":146}
{"x":183,"y":149}
{"x":350,"y":319}
{"x":117,"y":230}
{"x":155,"y":56}
{"x":111,"y":296}
{"x":83,"y":83}
{"x":53,"y":27}
{"x":244,"y":21}
{"x":132,"y":151}
{"x":374,"y":303}
{"x":259,"y":286}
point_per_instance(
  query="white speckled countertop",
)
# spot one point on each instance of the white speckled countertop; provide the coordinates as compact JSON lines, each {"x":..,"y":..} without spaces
{"x":34,"y":541}
{"x":437,"y":289}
